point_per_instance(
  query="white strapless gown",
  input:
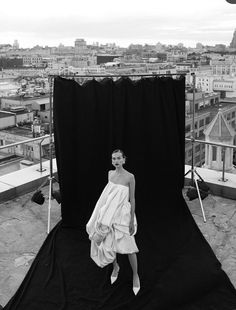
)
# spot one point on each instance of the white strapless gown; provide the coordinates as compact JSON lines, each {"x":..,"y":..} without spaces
{"x":108,"y":226}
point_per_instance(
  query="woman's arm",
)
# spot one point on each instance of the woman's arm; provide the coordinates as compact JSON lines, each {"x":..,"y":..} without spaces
{"x":109,"y":175}
{"x":132,"y":196}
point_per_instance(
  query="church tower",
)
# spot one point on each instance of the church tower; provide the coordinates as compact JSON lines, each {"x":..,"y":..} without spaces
{"x":219,"y":131}
{"x":233,"y":42}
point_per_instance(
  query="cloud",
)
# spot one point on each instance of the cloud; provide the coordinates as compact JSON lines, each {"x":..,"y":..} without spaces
{"x":199,"y":24}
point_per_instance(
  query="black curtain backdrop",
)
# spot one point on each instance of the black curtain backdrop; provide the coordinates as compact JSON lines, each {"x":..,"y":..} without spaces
{"x":177,"y":267}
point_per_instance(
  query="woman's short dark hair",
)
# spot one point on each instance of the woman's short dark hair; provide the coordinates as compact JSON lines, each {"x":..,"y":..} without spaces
{"x":119,"y":150}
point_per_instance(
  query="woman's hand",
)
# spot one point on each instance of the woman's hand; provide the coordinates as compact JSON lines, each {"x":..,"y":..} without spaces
{"x":131,"y":227}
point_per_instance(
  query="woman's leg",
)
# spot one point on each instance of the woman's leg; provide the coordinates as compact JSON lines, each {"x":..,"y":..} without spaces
{"x":134,"y":265}
{"x":115,"y":264}
{"x":115,"y":271}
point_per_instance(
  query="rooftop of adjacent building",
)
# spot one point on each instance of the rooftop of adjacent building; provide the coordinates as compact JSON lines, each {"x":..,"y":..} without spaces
{"x":4,"y":114}
{"x":229,"y":79}
{"x":26,"y":99}
{"x":9,"y":111}
{"x":212,"y":109}
{"x":19,"y":131}
{"x":219,"y":127}
{"x":228,"y":100}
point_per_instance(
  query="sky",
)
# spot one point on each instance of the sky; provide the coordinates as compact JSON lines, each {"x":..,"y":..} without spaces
{"x":124,"y":22}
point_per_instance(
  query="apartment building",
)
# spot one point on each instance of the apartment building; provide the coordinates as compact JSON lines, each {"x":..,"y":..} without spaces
{"x":36,"y":106}
{"x":202,"y":120}
{"x":30,"y":151}
{"x":33,"y":60}
{"x":176,"y":55}
{"x":80,"y":46}
{"x":204,"y":82}
{"x":14,"y":116}
{"x":225,"y":85}
{"x":206,"y":108}
{"x":219,"y":131}
{"x":184,"y":66}
{"x":26,"y":72}
{"x":224,"y":66}
{"x":41,"y":108}
{"x":202,"y":100}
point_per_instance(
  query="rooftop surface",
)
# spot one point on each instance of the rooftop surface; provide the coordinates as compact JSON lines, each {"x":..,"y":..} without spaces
{"x":23,"y":229}
{"x":19,"y":131}
{"x":42,"y":100}
{"x":7,"y":112}
{"x":4,"y":114}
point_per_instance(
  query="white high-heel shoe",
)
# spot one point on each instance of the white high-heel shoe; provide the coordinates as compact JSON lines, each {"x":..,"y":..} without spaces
{"x":136,"y":288}
{"x":114,"y":275}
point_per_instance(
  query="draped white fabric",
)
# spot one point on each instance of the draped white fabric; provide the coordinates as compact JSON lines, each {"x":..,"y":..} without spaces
{"x":108,"y":226}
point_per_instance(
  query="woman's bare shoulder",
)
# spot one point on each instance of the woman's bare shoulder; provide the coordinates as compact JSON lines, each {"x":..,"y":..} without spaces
{"x":130,"y":176}
{"x":110,"y":173}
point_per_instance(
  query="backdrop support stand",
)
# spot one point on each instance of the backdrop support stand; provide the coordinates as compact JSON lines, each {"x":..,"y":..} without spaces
{"x":51,"y":78}
{"x":193,"y":169}
{"x":50,"y":155}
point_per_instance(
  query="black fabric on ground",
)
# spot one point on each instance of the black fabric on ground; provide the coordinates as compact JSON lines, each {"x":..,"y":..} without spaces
{"x":177,"y":267}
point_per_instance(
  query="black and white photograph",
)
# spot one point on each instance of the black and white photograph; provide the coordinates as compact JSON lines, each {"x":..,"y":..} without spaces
{"x":118,"y":155}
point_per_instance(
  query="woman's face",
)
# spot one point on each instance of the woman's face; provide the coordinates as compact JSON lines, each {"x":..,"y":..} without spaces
{"x":117,"y":159}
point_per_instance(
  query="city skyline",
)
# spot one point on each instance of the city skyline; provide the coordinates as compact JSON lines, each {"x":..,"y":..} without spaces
{"x":128,"y":22}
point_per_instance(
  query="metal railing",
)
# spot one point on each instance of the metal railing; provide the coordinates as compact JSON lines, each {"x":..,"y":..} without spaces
{"x":5,"y":146}
{"x":224,"y":147}
{"x":41,"y":138}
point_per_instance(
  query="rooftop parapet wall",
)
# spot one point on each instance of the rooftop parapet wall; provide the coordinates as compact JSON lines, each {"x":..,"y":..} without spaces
{"x":20,"y":182}
{"x":28,"y":179}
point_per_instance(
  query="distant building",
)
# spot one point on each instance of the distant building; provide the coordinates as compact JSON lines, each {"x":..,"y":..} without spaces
{"x":226,"y":87}
{"x":220,"y":48}
{"x":41,"y":107}
{"x":219,"y":131}
{"x":14,"y":116}
{"x":135,"y":47}
{"x":10,"y":63}
{"x":203,"y":118}
{"x":38,"y":106}
{"x":12,"y":102}
{"x":224,"y":67}
{"x":176,"y":55}
{"x":82,"y":61}
{"x":160,"y":47}
{"x":233,"y":42}
{"x":7,"y":119}
{"x":26,"y":72}
{"x":202,"y":100}
{"x":63,"y":50}
{"x":104,"y":58}
{"x":199,"y":46}
{"x":204,"y":82}
{"x":184,"y":66}
{"x":34,"y":61}
{"x":30,"y":151}
{"x":82,"y":70}
{"x":16,"y":126}
{"x":80,"y":46}
{"x":206,"y":107}
{"x":4,"y":48}
{"x":15,"y":45}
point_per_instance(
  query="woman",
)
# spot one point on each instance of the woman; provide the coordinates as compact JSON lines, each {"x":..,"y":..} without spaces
{"x":112,"y":225}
